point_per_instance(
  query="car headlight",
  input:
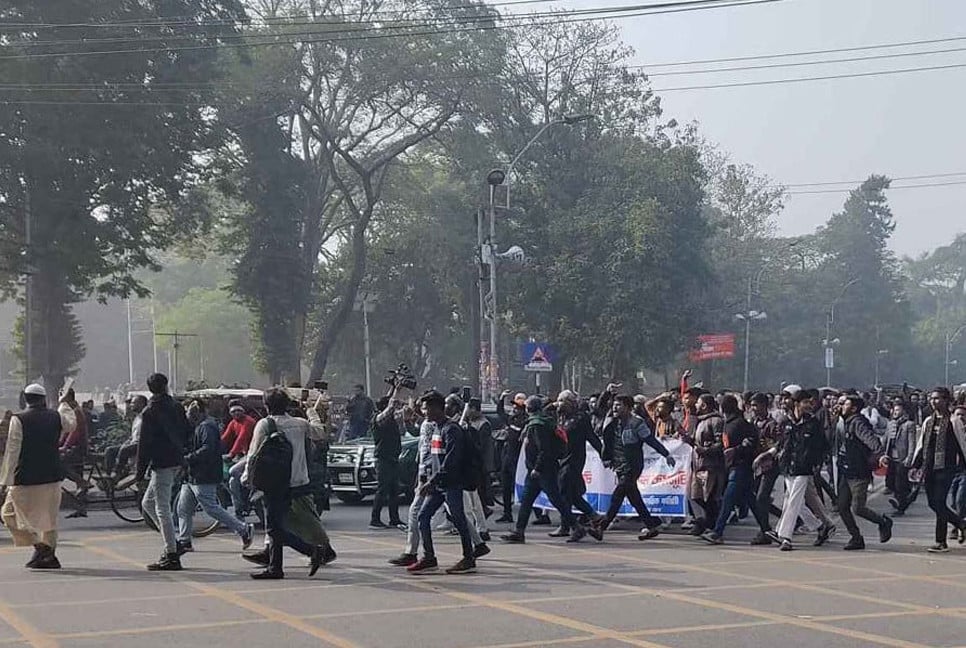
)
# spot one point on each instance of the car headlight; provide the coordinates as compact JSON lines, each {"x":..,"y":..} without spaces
{"x":368,"y":460}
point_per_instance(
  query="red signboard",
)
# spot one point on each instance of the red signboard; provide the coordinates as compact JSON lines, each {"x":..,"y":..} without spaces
{"x":714,"y":347}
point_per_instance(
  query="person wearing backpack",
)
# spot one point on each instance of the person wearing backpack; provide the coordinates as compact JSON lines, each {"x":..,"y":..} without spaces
{"x":165,"y":431}
{"x":278,"y":466}
{"x":543,"y":448}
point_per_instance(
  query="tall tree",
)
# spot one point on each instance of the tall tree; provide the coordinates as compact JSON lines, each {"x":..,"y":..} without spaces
{"x":91,"y":143}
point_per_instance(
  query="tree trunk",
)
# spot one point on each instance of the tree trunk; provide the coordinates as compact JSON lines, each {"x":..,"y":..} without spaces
{"x":339,"y":319}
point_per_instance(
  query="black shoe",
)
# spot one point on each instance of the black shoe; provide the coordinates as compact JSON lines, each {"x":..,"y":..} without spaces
{"x":773,"y":535}
{"x":260,"y":558}
{"x":560,"y":532}
{"x":712,"y":538}
{"x":328,"y":555}
{"x":514,"y":537}
{"x":465,"y":566}
{"x":485,"y":536}
{"x":761,"y":540}
{"x":939,"y":547}
{"x":423,"y":566}
{"x":855,"y":544}
{"x":168,"y":562}
{"x":824,"y":533}
{"x":47,"y":561}
{"x":39,"y":551}
{"x":895,"y":503}
{"x":578,"y":534}
{"x":543,"y":521}
{"x":885,"y":529}
{"x":405,"y":560}
{"x":480,"y":550}
{"x":648,"y":534}
{"x":77,"y":514}
{"x":505,"y":518}
{"x":183,"y":548}
{"x":316,"y":560}
{"x":268,"y":574}
{"x":596,"y":532}
{"x":378,"y":525}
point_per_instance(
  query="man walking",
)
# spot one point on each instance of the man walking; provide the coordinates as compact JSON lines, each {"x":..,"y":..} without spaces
{"x":580,"y":432}
{"x":709,"y":472}
{"x":544,"y":449}
{"x":161,"y":445}
{"x":32,"y":472}
{"x":900,"y":444}
{"x":765,"y":467}
{"x":205,"y":472}
{"x":740,"y":442}
{"x":858,"y":450}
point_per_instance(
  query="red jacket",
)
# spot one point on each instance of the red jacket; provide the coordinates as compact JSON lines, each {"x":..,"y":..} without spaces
{"x":238,"y":436}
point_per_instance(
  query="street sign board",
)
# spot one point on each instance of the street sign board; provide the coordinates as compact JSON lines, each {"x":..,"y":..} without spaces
{"x":720,"y":346}
{"x":537,"y":357}
{"x":829,"y":358}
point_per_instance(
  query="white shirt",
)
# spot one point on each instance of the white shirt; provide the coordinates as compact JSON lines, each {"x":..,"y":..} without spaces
{"x":295,"y":430}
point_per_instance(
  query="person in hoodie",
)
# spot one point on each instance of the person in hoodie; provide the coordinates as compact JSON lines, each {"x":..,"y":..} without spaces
{"x":708,"y":473}
{"x":543,"y":449}
{"x":740,"y":441}
{"x":625,"y":434}
{"x":579,"y":429}
{"x":859,"y":448}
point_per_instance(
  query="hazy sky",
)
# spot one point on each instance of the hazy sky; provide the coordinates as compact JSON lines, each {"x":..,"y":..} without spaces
{"x":899,"y":125}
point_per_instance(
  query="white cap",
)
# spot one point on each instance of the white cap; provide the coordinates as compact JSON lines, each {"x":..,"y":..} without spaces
{"x":791,"y":390}
{"x":35,"y":389}
{"x":236,"y":408}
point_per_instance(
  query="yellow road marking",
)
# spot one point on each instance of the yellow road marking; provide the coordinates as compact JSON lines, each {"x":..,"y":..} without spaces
{"x":261,"y":610}
{"x":705,"y":628}
{"x":31,"y":635}
{"x":544,"y":642}
{"x":93,"y":634}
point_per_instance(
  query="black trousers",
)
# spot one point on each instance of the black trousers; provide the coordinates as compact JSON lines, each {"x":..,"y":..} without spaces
{"x":548,"y":483}
{"x":627,"y":489}
{"x":276,"y":526}
{"x":763,"y":503}
{"x":387,"y":491}
{"x":937,"y":489}
{"x":897,"y":480}
{"x":572,"y":487}
{"x":508,"y":475}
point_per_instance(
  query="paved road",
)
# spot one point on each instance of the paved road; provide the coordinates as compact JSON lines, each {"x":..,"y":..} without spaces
{"x":673,"y":591}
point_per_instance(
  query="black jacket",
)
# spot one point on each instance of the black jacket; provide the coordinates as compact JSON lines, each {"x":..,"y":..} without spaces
{"x":388,"y":439}
{"x":803,"y":446}
{"x":39,"y":461}
{"x":544,"y":449}
{"x":624,"y":444}
{"x":858,"y":446}
{"x":164,"y":435}
{"x":740,"y":441}
{"x":580,"y":432}
{"x":451,"y":468}
{"x":205,"y":465}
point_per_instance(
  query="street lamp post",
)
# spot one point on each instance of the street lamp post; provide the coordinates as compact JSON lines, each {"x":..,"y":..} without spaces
{"x":829,"y":321}
{"x":950,"y":338}
{"x":878,"y":356}
{"x":488,"y":254}
{"x":747,"y":318}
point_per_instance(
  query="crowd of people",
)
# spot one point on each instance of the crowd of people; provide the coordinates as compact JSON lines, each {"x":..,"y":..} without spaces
{"x":821,"y":446}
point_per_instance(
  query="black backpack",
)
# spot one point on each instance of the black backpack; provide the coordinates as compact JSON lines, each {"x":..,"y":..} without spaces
{"x":270,"y":467}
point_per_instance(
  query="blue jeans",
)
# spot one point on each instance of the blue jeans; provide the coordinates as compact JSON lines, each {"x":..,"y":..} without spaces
{"x":737,"y":490}
{"x":957,"y":493}
{"x":453,"y":498}
{"x":157,"y":505}
{"x":548,"y":483}
{"x":239,"y":494}
{"x":207,"y":495}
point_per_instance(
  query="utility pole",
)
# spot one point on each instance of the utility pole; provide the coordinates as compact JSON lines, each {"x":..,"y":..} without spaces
{"x":130,"y":345}
{"x":28,"y":292}
{"x":173,"y":362}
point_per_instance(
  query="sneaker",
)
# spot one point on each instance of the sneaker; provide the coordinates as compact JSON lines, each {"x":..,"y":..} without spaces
{"x":260,"y":558}
{"x":648,"y":534}
{"x":480,"y":550}
{"x":77,"y":514}
{"x":513,"y":538}
{"x":885,"y":529}
{"x":894,"y":503}
{"x":248,"y":536}
{"x":423,"y":566}
{"x":268,"y":574}
{"x":824,"y":533}
{"x":405,"y":560}
{"x":48,"y":561}
{"x":167,"y":562}
{"x":505,"y":519}
{"x":773,"y":535}
{"x":378,"y":525}
{"x":578,"y":534}
{"x":614,"y":525}
{"x":485,"y":536}
{"x":687,"y":525}
{"x":761,"y":540}
{"x":328,"y":555}
{"x":786,"y":545}
{"x":712,"y":538}
{"x":464,"y":566}
{"x":855,"y":544}
{"x":596,"y":532}
{"x":38,"y":554}
{"x":939,"y":547}
{"x":733,"y":518}
{"x":184,"y":547}
{"x":559,"y":532}
{"x":402,"y":526}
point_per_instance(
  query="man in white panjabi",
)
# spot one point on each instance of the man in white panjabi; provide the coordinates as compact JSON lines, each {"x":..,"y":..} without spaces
{"x":32,"y":472}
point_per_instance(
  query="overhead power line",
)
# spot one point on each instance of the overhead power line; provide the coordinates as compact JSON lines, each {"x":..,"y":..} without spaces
{"x":913,"y":186}
{"x":894,"y":179}
{"x":406,"y":31}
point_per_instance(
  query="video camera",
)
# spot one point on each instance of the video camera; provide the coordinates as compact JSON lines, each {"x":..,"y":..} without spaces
{"x":401,"y":376}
